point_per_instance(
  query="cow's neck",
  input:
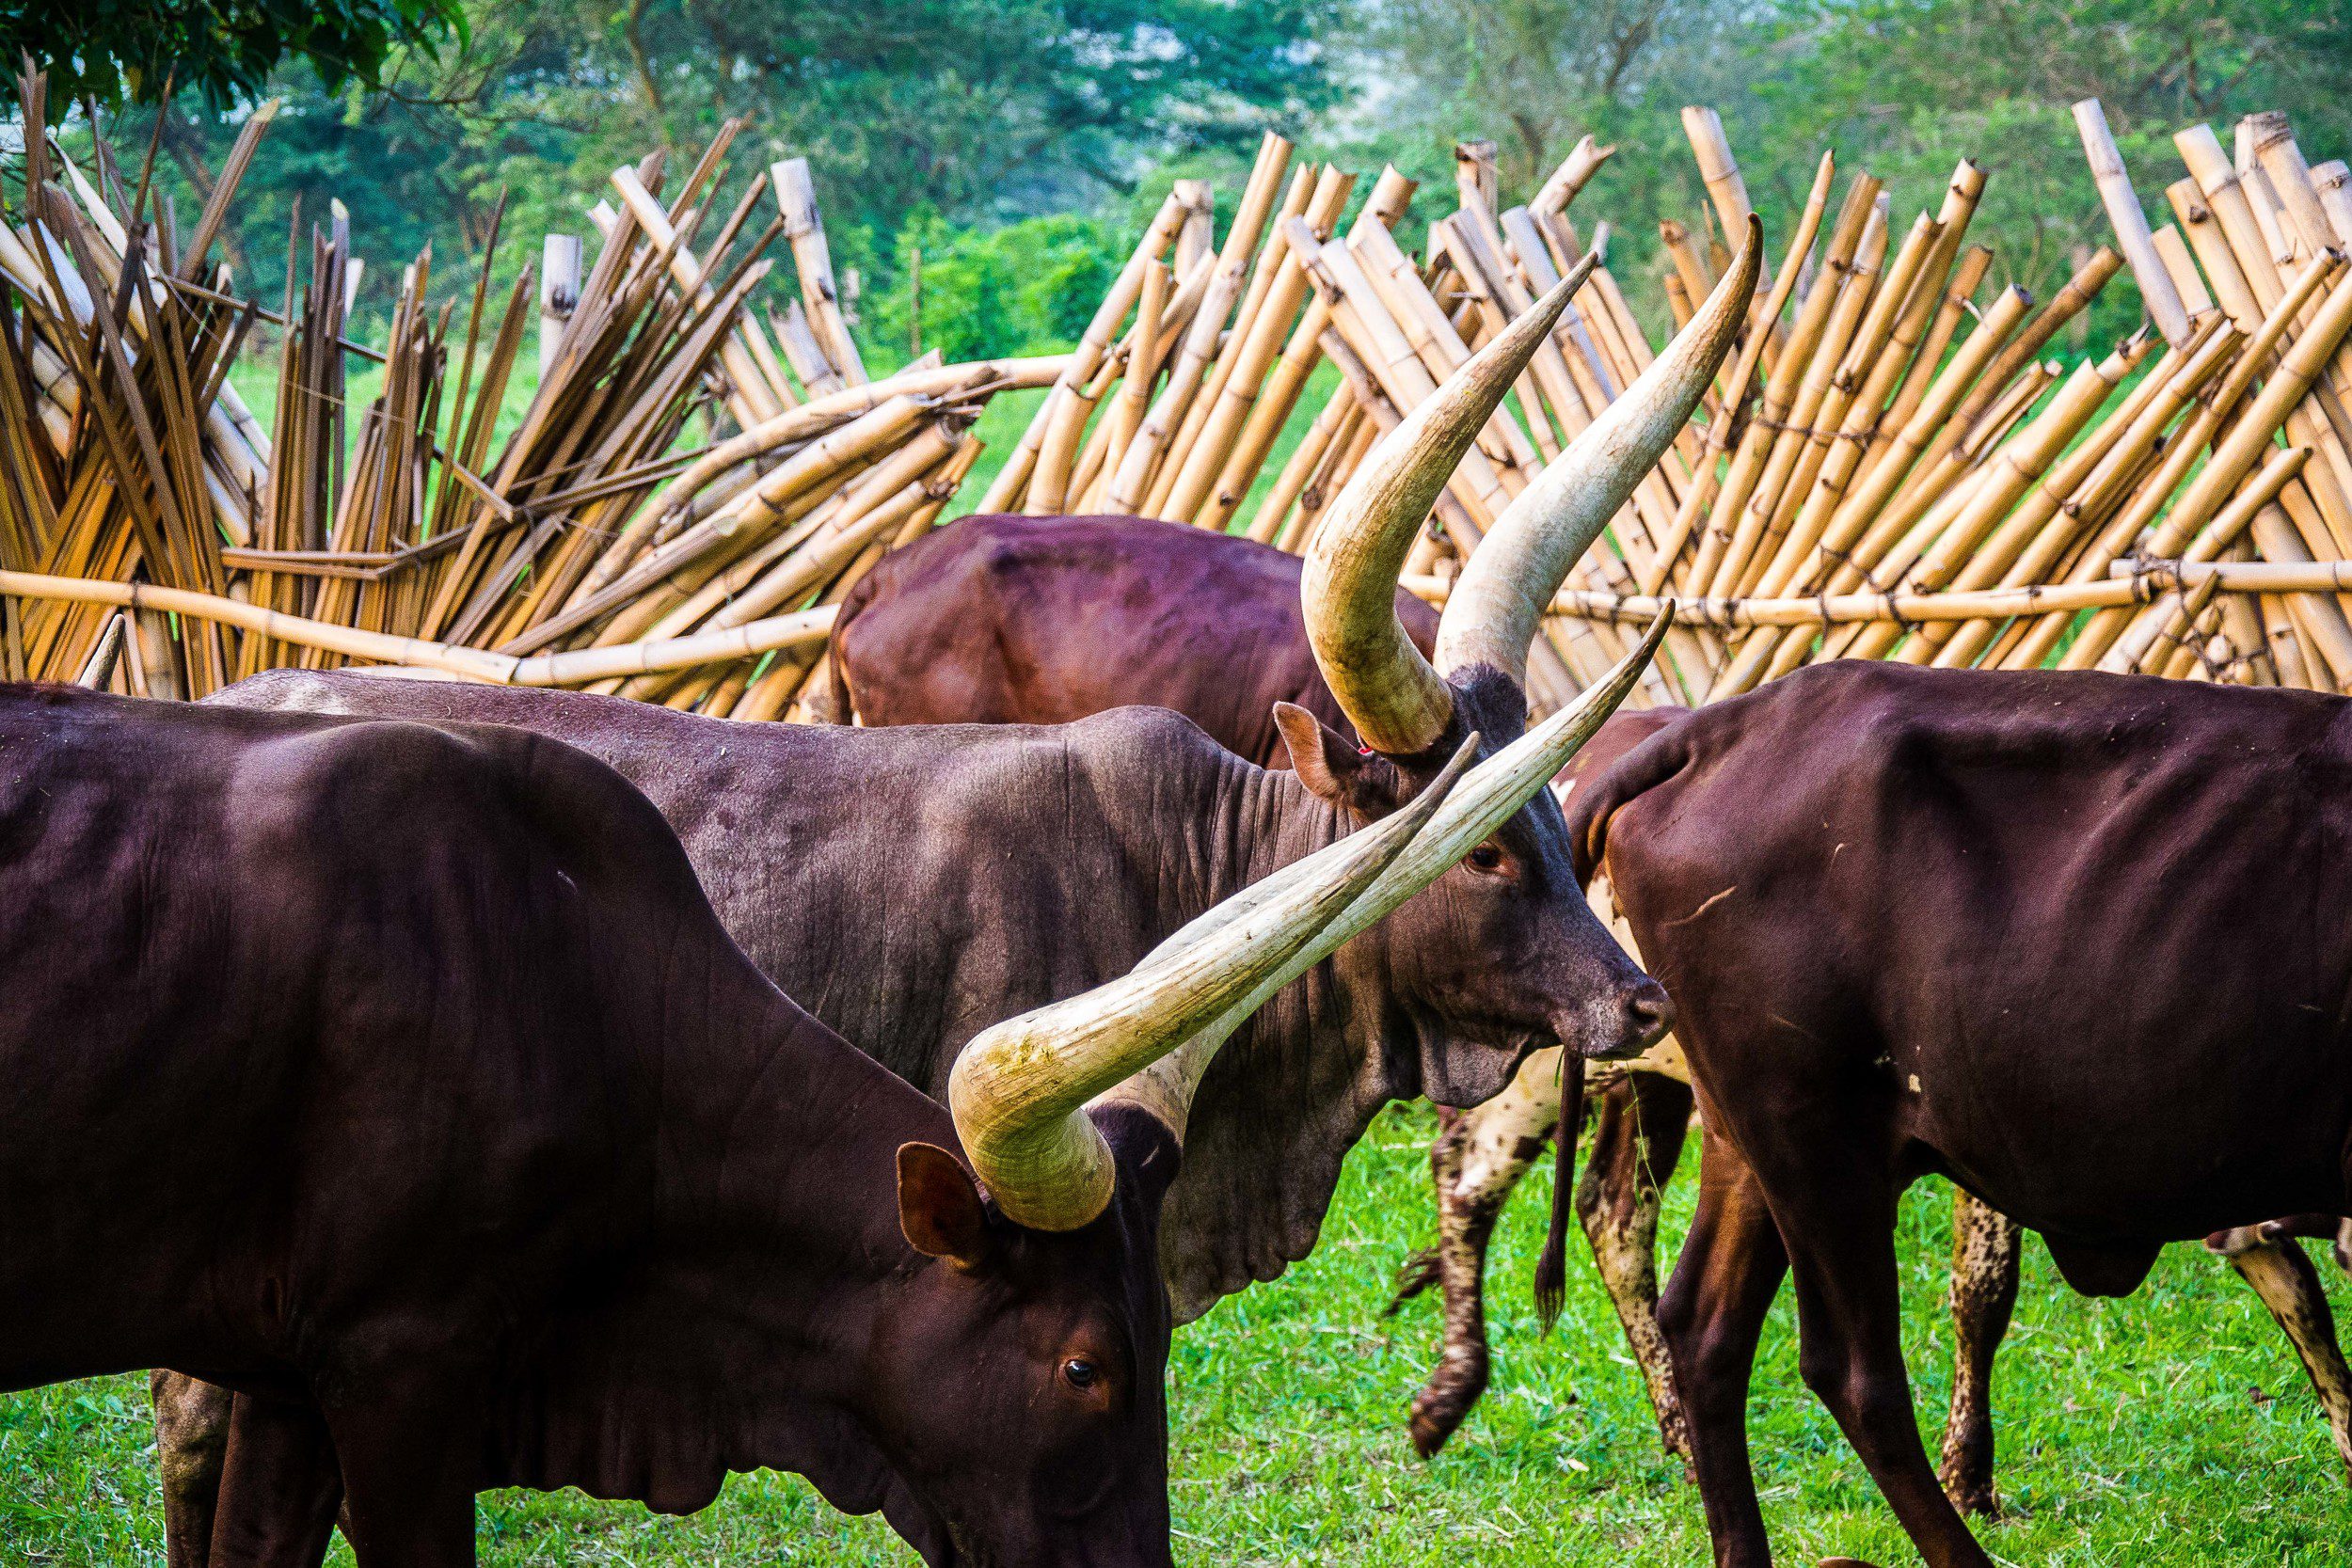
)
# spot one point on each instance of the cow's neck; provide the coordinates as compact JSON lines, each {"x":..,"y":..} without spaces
{"x":1296,"y":1086}
{"x":732,"y":1341}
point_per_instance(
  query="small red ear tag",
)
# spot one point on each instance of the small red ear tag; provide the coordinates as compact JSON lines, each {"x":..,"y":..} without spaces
{"x":1363,"y":751}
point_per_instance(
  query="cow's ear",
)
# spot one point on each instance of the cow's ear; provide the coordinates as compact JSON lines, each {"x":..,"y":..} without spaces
{"x":1358,"y":781}
{"x":940,"y":1207}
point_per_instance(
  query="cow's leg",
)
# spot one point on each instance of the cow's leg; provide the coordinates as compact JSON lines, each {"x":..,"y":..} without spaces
{"x":191,"y":1437}
{"x":1422,"y":1270}
{"x":1711,"y":1312}
{"x":1837,"y":1219}
{"x":280,"y":1487}
{"x":1985,"y":1251}
{"x":409,"y":1455}
{"x":1475,"y":1162}
{"x":2282,"y":1275}
{"x":1637,"y":1141}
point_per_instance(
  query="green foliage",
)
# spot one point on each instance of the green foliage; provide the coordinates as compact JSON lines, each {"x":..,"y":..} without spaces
{"x":939,"y":122}
{"x":977,"y":110}
{"x":117,"y":51}
{"x":2170,"y":1429}
{"x":1028,"y":286}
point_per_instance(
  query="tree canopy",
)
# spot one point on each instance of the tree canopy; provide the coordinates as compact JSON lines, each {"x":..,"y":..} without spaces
{"x":125,"y":51}
{"x":939,"y":122}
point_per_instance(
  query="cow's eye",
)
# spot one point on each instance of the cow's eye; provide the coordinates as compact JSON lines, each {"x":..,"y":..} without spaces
{"x":1486,"y":858}
{"x":1081,"y":1372}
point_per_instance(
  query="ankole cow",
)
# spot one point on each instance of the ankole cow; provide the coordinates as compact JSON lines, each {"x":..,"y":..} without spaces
{"x":915,"y":885}
{"x":400,"y":1077}
{"x":2070,"y":940}
{"x":1638,"y":1135}
{"x":1041,"y":620}
{"x":1010,"y":620}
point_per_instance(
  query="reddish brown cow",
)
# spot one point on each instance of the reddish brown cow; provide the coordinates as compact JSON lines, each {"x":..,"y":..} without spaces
{"x":1006,"y":620}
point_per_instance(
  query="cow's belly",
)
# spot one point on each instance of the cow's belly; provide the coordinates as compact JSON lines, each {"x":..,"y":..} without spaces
{"x":2153,"y":1150}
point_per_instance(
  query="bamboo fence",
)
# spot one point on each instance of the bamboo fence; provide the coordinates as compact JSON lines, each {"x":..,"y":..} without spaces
{"x":1891,"y":467}
{"x":1893,"y":470}
{"x":604,"y":541}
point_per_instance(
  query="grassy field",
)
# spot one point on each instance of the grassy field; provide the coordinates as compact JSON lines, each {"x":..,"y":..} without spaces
{"x":2171,"y":1428}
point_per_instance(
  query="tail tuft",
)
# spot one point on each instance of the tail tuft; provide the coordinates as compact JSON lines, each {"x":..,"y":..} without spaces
{"x":1414,"y":1276}
{"x":1551,"y":1269}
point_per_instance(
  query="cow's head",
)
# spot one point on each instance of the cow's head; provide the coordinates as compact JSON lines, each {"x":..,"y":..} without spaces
{"x":1502,"y":955}
{"x":1016,"y":1385}
{"x":1019,"y":1373}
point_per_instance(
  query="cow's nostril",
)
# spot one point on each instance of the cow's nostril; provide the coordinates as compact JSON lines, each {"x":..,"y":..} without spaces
{"x":1649,"y":1012}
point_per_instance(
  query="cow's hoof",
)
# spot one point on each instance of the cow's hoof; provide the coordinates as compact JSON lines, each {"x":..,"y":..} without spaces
{"x":1976,"y":1502}
{"x":1845,"y":1563}
{"x":1429,"y":1428}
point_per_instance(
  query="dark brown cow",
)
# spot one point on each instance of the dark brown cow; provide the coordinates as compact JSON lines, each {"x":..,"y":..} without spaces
{"x":2125,"y":887}
{"x":401,"y":1077}
{"x":1637,"y":1142}
{"x":1005,"y":619}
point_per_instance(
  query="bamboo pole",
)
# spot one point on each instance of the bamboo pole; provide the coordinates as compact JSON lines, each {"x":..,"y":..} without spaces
{"x":2132,"y":235}
{"x":805,"y":232}
{"x":474,"y":664}
{"x":2142,"y":583}
{"x":1029,"y":457}
{"x":1706,"y":482}
{"x":1720,"y":172}
{"x":1132,"y":486}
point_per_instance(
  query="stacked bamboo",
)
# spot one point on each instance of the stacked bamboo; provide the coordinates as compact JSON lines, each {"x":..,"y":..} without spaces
{"x":1890,"y":468}
{"x":1199,"y":357}
{"x":1896,"y":472}
{"x":597,"y":543}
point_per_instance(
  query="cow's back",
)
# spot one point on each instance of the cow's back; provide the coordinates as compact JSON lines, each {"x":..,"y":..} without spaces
{"x":1922,"y":878}
{"x":306,"y":1016}
{"x":892,"y":882}
{"x":1043,"y":620}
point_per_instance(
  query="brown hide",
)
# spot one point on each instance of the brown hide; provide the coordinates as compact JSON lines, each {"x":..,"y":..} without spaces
{"x":1009,"y":620}
{"x":400,"y":1077}
{"x":2073,"y":939}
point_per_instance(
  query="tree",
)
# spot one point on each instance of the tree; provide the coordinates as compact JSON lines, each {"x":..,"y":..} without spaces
{"x":1534,"y":75}
{"x":118,"y":50}
{"x":1901,"y":88}
{"x":973,"y":110}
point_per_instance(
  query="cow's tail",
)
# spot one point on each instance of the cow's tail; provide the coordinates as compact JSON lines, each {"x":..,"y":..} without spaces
{"x":1551,"y":1269}
{"x":1590,"y":807}
{"x":839,"y":705}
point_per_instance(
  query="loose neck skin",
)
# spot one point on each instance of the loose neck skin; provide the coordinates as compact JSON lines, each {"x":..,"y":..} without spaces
{"x":1294,"y":1087}
{"x":776,"y":1216}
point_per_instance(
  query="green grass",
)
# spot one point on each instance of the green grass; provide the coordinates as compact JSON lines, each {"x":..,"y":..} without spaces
{"x":2169,"y":1428}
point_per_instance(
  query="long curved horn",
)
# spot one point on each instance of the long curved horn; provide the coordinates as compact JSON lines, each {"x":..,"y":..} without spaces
{"x":1498,"y":601}
{"x":1481,"y":803}
{"x":100,"y":667}
{"x":1348,"y":589}
{"x":1018,"y":1091}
